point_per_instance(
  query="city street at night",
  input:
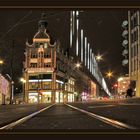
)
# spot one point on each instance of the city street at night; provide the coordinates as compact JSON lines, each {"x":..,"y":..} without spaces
{"x":110,"y":115}
{"x":69,"y":70}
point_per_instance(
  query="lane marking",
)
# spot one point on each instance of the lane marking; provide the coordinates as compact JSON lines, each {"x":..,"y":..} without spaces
{"x":102,"y":106}
{"x":22,"y":120}
{"x":112,"y":122}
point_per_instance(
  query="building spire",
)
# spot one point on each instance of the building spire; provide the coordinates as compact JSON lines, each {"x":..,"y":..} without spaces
{"x":42,"y":22}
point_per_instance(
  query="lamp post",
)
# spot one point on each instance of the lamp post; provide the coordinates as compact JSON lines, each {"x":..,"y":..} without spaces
{"x":1,"y":63}
{"x":3,"y":95}
{"x":23,"y":87}
{"x":12,"y":89}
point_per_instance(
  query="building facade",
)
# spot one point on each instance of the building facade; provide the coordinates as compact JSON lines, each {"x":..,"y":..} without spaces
{"x":134,"y":48}
{"x":45,"y":70}
{"x":51,"y":74}
{"x":4,"y":90}
{"x":123,"y":85}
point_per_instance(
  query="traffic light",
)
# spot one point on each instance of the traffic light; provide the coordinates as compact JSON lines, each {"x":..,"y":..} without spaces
{"x":115,"y":85}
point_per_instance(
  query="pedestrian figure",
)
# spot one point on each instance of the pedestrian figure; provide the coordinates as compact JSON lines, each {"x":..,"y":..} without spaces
{"x":129,"y":92}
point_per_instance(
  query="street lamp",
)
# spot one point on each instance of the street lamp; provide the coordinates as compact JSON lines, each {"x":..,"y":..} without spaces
{"x":22,"y":80}
{"x":23,"y":87}
{"x":99,"y":57}
{"x":77,"y":65}
{"x":109,"y":74}
{"x":1,"y":62}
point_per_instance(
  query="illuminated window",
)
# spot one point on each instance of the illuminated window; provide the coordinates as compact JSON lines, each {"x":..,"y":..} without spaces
{"x":59,"y":86}
{"x":33,"y":77}
{"x":33,"y":65}
{"x":81,"y":45}
{"x":41,"y":45}
{"x":47,"y":55}
{"x":47,"y":65}
{"x":36,"y":45}
{"x":85,"y":50}
{"x":33,"y":85}
{"x":33,"y":55}
{"x":46,"y":76}
{"x":45,"y":45}
{"x":47,"y":85}
{"x":88,"y":53}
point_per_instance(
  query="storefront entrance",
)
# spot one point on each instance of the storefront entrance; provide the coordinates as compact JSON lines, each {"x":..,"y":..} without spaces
{"x":59,"y":97}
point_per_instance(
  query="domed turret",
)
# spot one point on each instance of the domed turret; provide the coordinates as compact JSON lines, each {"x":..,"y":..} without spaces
{"x":42,"y":24}
{"x":42,"y":21}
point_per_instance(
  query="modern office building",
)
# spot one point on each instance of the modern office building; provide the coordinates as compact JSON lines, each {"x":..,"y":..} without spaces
{"x":134,"y":48}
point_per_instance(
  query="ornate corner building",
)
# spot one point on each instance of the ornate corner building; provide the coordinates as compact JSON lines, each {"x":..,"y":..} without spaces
{"x":52,"y":76}
{"x":45,"y":70}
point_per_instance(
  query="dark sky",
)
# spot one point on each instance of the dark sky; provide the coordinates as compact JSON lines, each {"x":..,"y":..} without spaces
{"x":102,"y":27}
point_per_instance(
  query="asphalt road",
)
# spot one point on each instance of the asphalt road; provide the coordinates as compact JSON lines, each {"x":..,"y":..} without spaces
{"x":62,"y":117}
{"x":126,"y":111}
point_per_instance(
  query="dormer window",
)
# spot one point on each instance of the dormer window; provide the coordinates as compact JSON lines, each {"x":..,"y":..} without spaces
{"x":41,"y":45}
{"x":37,"y":45}
{"x":45,"y":45}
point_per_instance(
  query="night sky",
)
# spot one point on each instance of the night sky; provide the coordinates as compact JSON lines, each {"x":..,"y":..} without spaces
{"x":102,"y":27}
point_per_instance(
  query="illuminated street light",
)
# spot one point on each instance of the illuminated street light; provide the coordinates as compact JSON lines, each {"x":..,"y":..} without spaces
{"x":109,"y":74}
{"x":78,"y":65}
{"x":1,"y":62}
{"x":22,"y":80}
{"x":99,"y":57}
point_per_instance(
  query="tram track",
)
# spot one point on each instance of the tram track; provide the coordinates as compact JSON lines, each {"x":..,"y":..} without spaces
{"x":108,"y":121}
{"x":115,"y":123}
{"x":24,"y":119}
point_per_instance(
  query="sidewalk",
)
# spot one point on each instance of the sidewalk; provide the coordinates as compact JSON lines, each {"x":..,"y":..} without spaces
{"x":9,"y":113}
{"x":124,"y":100}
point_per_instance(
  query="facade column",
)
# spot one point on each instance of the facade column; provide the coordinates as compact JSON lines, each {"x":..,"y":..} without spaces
{"x":138,"y":86}
{"x":53,"y":58}
{"x":3,"y":99}
{"x":26,"y":94}
{"x":53,"y":87}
